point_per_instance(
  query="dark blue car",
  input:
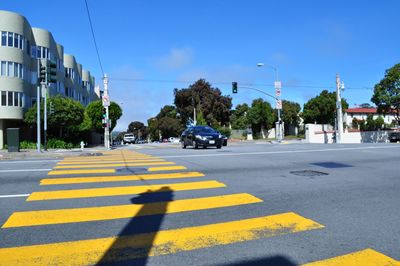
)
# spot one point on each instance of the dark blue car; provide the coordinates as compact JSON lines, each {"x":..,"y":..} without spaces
{"x":201,"y":136}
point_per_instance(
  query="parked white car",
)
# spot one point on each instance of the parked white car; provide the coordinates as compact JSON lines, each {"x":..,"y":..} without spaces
{"x":129,"y":138}
{"x":173,"y":140}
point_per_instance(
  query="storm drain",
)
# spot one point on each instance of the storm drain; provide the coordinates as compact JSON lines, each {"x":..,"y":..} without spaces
{"x":308,"y":173}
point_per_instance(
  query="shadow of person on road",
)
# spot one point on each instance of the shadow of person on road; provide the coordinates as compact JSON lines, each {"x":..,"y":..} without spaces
{"x":135,"y":241}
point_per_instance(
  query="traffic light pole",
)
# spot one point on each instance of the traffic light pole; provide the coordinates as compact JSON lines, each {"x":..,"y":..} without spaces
{"x":106,"y":128}
{"x":45,"y":114}
{"x":38,"y":88}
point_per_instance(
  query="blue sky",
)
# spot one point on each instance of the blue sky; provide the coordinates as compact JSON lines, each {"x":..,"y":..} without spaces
{"x":221,"y":41}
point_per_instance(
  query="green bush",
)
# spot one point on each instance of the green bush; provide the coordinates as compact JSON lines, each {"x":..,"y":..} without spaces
{"x":28,"y":145}
{"x":60,"y":144}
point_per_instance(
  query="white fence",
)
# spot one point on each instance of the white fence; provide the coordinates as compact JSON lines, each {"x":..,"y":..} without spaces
{"x":322,"y":134}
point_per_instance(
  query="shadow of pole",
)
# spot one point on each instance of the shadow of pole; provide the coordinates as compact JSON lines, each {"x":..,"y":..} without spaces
{"x":125,"y":250}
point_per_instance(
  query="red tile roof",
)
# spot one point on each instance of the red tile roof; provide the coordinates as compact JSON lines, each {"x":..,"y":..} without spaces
{"x":362,"y":110}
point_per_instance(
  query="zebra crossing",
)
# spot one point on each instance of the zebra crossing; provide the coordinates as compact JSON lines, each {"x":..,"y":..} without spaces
{"x":79,"y":171}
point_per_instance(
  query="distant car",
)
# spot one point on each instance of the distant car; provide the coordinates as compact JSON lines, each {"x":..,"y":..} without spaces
{"x":140,"y":141}
{"x":129,"y":138}
{"x":173,"y":140}
{"x":201,"y":136}
{"x":394,"y":136}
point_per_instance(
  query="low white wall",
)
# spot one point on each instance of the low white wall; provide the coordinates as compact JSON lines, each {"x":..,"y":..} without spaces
{"x":314,"y":135}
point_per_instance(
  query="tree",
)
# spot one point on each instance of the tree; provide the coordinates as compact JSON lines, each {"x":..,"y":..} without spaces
{"x":261,"y":116}
{"x":65,"y":119}
{"x":290,"y":113}
{"x":166,"y":124}
{"x":137,"y":128}
{"x":200,"y":121}
{"x":206,"y":99}
{"x":168,"y":111}
{"x":94,"y":112}
{"x":387,"y":93}
{"x":153,"y":129}
{"x":366,"y":105}
{"x":239,"y":118}
{"x":169,"y":127}
{"x":322,"y":109}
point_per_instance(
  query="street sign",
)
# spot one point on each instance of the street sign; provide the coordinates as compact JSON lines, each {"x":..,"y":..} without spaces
{"x":278,"y":85}
{"x":278,"y":92}
{"x":106,"y":101}
{"x":278,"y":104}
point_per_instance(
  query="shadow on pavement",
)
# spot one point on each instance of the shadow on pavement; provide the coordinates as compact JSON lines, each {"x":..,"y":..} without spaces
{"x":122,"y":251}
{"x":268,"y":261}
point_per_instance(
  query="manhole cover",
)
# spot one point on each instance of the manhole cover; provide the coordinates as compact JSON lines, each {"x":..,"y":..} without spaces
{"x":308,"y":173}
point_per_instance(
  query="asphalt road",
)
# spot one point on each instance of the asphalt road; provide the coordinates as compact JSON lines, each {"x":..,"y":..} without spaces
{"x":245,"y":204}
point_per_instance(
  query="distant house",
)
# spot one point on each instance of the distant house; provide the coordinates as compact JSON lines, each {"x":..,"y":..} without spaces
{"x":362,"y":114}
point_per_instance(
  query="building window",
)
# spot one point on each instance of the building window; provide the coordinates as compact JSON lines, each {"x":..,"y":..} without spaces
{"x":28,"y":47}
{"x":3,"y":98}
{"x":16,"y":98}
{"x":10,"y":39}
{"x":4,"y":38}
{"x":10,"y":98}
{"x":21,"y":71}
{"x":10,"y":69}
{"x":21,"y":99}
{"x":16,"y":68}
{"x":21,"y":42}
{"x":33,"y":52}
{"x":39,"y":52}
{"x":4,"y":68}
{"x":16,"y":40}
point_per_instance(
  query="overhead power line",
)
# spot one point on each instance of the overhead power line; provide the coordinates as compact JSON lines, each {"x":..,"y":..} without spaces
{"x":94,"y":38}
{"x":230,"y":83}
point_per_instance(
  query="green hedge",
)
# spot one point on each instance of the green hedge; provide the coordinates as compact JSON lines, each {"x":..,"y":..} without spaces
{"x":51,"y":144}
{"x":28,"y":145}
{"x":60,"y":144}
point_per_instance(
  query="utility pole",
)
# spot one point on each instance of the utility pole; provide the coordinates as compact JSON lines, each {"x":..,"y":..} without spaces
{"x":106,"y":103}
{"x":38,"y":89}
{"x":194,"y":111}
{"x":339,"y":110}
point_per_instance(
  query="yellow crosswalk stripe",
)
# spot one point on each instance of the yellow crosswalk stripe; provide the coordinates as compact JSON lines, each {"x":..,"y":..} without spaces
{"x":97,"y":158}
{"x":111,"y":165}
{"x":61,"y":216}
{"x":94,"y":179}
{"x":109,"y":162}
{"x":84,"y":171}
{"x":115,"y":191}
{"x":111,"y":249}
{"x":366,"y":257}
{"x":166,"y":168}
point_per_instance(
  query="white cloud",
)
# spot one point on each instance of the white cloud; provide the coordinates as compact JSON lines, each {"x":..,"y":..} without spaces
{"x":176,"y":59}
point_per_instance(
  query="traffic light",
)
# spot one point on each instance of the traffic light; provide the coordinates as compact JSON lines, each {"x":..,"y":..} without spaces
{"x":52,"y":110}
{"x":42,"y":71}
{"x":104,"y":117}
{"x":51,"y":72}
{"x":234,"y":87}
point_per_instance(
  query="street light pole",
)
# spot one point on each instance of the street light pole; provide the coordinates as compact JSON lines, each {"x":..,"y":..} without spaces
{"x":278,"y":86}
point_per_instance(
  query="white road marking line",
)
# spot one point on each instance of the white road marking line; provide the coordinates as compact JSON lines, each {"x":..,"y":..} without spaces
{"x":14,"y":196}
{"x":29,"y":161}
{"x":25,"y":170}
{"x":272,"y":152}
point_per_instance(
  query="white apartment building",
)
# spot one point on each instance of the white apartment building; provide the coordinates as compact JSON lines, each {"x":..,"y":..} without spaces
{"x":21,"y":46}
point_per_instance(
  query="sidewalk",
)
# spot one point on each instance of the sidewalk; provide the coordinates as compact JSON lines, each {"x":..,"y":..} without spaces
{"x":49,"y":154}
